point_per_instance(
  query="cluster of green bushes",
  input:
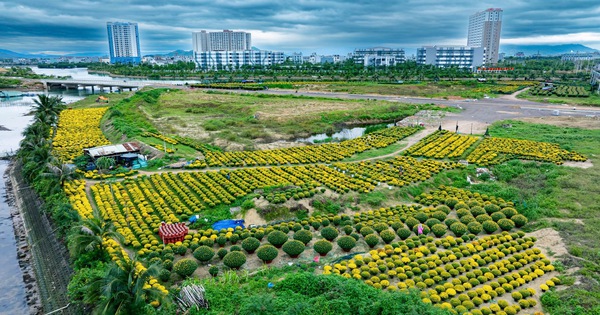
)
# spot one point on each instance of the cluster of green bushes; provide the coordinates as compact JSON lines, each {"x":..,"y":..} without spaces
{"x":561,"y":91}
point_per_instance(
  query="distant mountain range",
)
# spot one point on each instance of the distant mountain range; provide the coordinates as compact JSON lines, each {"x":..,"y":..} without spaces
{"x":11,"y":54}
{"x":545,"y":50}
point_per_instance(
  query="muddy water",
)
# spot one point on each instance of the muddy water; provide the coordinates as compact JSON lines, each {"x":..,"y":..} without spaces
{"x":13,"y":297}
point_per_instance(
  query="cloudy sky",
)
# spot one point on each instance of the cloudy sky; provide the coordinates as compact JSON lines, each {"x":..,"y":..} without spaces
{"x":322,"y":26}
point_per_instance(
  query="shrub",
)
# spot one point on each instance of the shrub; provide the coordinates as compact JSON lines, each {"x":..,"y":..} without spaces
{"x":304,"y":236}
{"x":250,"y":244}
{"x":450,"y":221}
{"x":221,"y":240}
{"x":519,"y":220}
{"x":404,"y":233}
{"x":516,"y":296}
{"x":458,"y":229}
{"x":185,"y":267}
{"x":380,"y":227}
{"x":421,"y":216}
{"x":491,"y":208}
{"x":347,"y":242}
{"x":475,"y":227}
{"x":411,"y":222}
{"x":438,"y":230}
{"x":462,"y":212}
{"x":497,"y":216}
{"x":372,"y":240}
{"x":482,"y":218}
{"x":329,"y":233}
{"x":293,"y":248}
{"x":450,"y":202}
{"x":164,"y":275}
{"x":490,"y":226}
{"x":477,"y":210}
{"x":348,"y":229}
{"x":204,"y":253}
{"x":167,"y":264}
{"x":322,"y":247}
{"x":440,"y":215}
{"x":213,"y":271}
{"x":431,"y":222}
{"x":387,"y":236}
{"x":235,"y":248}
{"x":277,"y":238}
{"x":180,"y":250}
{"x":267,"y":252}
{"x":366,"y":231}
{"x":506,"y":224}
{"x":509,"y":212}
{"x":222,"y":252}
{"x":234,"y":260}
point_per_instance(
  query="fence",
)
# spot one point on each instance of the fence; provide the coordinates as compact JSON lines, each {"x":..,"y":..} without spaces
{"x":50,"y":257}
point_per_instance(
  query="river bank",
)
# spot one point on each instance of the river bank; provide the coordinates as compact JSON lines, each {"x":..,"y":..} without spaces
{"x":24,"y":257}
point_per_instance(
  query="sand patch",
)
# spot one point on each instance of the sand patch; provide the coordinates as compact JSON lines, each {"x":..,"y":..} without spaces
{"x":586,"y":164}
{"x":549,"y":239}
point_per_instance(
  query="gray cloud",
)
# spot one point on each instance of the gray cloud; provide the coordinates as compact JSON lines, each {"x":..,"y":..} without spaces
{"x":325,"y":26}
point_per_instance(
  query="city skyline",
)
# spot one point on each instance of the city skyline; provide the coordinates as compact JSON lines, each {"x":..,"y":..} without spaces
{"x":324,"y":27}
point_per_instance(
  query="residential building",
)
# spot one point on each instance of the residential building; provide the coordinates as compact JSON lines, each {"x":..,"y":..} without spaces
{"x":236,"y":59}
{"x":595,"y":78}
{"x":580,"y":56}
{"x":484,"y":31}
{"x":451,"y":56}
{"x":296,"y":57}
{"x":379,"y":56}
{"x":226,"y":40}
{"x":124,"y":42}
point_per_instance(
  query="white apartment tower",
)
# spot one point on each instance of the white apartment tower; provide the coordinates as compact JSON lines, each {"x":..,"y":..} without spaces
{"x":484,"y":31}
{"x":221,"y":41}
{"x":123,"y":42}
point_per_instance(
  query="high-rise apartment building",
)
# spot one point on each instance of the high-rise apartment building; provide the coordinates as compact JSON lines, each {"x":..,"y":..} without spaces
{"x":484,"y":31}
{"x":221,"y":41}
{"x":124,"y":42}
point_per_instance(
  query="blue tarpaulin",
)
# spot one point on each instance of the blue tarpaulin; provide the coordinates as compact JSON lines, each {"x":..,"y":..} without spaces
{"x":224,"y":224}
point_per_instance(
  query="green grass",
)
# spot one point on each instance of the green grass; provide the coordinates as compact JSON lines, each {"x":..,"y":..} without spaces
{"x":296,"y":290}
{"x":376,"y":152}
{"x":592,"y":100}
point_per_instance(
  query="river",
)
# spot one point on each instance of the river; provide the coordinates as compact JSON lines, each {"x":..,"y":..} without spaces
{"x":82,"y":74}
{"x":13,"y":120}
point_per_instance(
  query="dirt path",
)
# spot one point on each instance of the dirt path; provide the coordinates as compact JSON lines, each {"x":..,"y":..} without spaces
{"x":513,"y":96}
{"x":410,"y":141}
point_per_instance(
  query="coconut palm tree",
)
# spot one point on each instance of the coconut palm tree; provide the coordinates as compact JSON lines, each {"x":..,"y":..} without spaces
{"x":88,"y":235}
{"x":47,"y":108}
{"x":124,"y":289}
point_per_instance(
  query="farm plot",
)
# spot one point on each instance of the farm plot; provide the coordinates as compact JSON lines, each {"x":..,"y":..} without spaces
{"x":78,"y":129}
{"x":442,"y":144}
{"x":492,"y":151}
{"x":137,"y":206}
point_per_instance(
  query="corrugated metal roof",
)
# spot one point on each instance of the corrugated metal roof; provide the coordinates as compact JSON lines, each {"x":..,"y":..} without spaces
{"x":112,"y":149}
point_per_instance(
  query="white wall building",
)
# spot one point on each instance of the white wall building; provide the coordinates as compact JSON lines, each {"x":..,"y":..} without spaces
{"x":580,"y":56}
{"x":378,"y":56}
{"x":226,"y":40}
{"x":123,"y":42}
{"x":236,"y":59}
{"x":484,"y":31}
{"x":451,"y":56}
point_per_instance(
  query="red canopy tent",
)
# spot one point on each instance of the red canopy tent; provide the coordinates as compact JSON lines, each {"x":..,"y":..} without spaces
{"x":172,"y":233}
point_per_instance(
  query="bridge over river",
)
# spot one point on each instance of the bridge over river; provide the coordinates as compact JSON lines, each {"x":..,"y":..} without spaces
{"x":110,"y":84}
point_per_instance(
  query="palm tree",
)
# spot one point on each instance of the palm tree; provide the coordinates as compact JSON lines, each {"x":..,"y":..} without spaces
{"x":47,"y":108}
{"x":124,"y":289}
{"x":89,"y":234}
